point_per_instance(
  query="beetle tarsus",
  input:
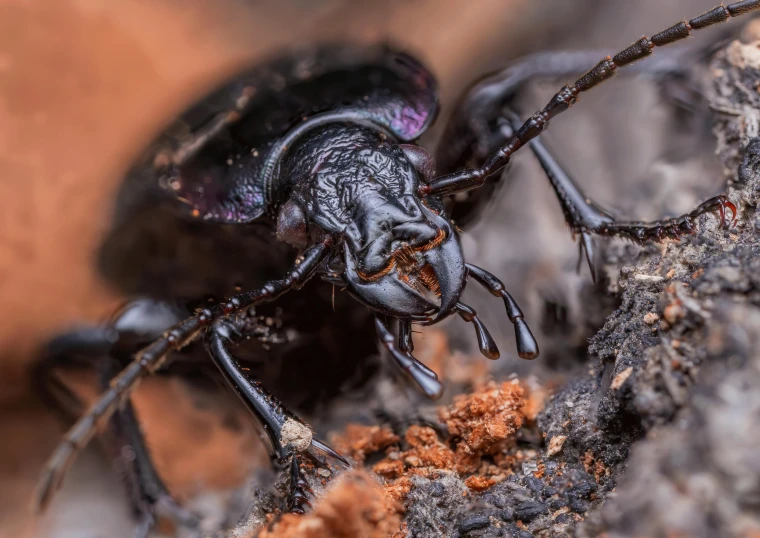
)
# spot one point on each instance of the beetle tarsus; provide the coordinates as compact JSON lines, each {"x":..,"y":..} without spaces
{"x":298,"y":488}
{"x":674,"y":228}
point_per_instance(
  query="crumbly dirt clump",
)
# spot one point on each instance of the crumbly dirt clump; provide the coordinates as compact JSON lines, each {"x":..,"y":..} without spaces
{"x":480,"y":425}
{"x":358,"y":441}
{"x":485,"y":419}
{"x":355,"y":505}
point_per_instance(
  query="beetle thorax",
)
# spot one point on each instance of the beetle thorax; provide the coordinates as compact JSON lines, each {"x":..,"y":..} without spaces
{"x":340,"y":171}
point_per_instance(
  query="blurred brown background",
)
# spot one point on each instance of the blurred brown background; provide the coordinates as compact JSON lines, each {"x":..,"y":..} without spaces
{"x":85,"y":83}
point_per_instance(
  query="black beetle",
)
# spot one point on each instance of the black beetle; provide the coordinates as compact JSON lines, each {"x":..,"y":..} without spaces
{"x":317,"y":150}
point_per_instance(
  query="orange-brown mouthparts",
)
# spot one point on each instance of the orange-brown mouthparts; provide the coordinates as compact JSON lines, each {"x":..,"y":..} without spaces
{"x":409,"y":268}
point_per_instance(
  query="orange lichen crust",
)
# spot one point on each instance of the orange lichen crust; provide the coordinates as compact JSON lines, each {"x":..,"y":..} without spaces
{"x":355,"y":505}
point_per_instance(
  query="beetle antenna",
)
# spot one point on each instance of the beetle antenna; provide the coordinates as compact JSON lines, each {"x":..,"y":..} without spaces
{"x":475,"y":177}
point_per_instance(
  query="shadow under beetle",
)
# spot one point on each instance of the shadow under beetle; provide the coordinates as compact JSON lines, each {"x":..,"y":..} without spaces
{"x":318,"y":148}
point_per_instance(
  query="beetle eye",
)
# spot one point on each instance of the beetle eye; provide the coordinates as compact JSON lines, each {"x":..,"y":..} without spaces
{"x":291,"y":225}
{"x":421,"y":160}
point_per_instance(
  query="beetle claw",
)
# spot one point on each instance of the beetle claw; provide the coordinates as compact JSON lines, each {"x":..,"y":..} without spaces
{"x":587,"y":246}
{"x":328,"y":451}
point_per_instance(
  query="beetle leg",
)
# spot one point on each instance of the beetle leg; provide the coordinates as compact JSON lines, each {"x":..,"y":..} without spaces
{"x":424,"y":377}
{"x":475,"y":177}
{"x":152,"y":357}
{"x":149,"y":493}
{"x":527,"y":348}
{"x":585,"y":218}
{"x":90,"y":348}
{"x":289,"y":436}
{"x":477,"y":126}
{"x":80,"y":349}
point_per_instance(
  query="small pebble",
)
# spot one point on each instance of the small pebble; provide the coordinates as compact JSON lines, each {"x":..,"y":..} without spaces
{"x":583,"y":489}
{"x":474,"y":522}
{"x":556,"y":504}
{"x":529,"y":510}
{"x":650,"y":318}
{"x":577,"y":505}
{"x":529,"y":467}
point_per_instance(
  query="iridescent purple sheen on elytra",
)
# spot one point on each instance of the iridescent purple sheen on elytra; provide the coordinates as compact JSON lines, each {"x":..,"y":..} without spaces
{"x":231,"y":179}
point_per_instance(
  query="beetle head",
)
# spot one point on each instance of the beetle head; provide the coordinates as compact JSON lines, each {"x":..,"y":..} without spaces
{"x":400,"y":254}
{"x":403,"y":259}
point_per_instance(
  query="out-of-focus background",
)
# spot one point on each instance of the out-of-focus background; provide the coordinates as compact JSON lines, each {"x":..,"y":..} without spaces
{"x":84,"y":85}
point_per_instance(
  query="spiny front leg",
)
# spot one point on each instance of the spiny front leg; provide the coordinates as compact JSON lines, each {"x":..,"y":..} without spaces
{"x":584,"y":217}
{"x":151,"y":358}
{"x":289,"y":436}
